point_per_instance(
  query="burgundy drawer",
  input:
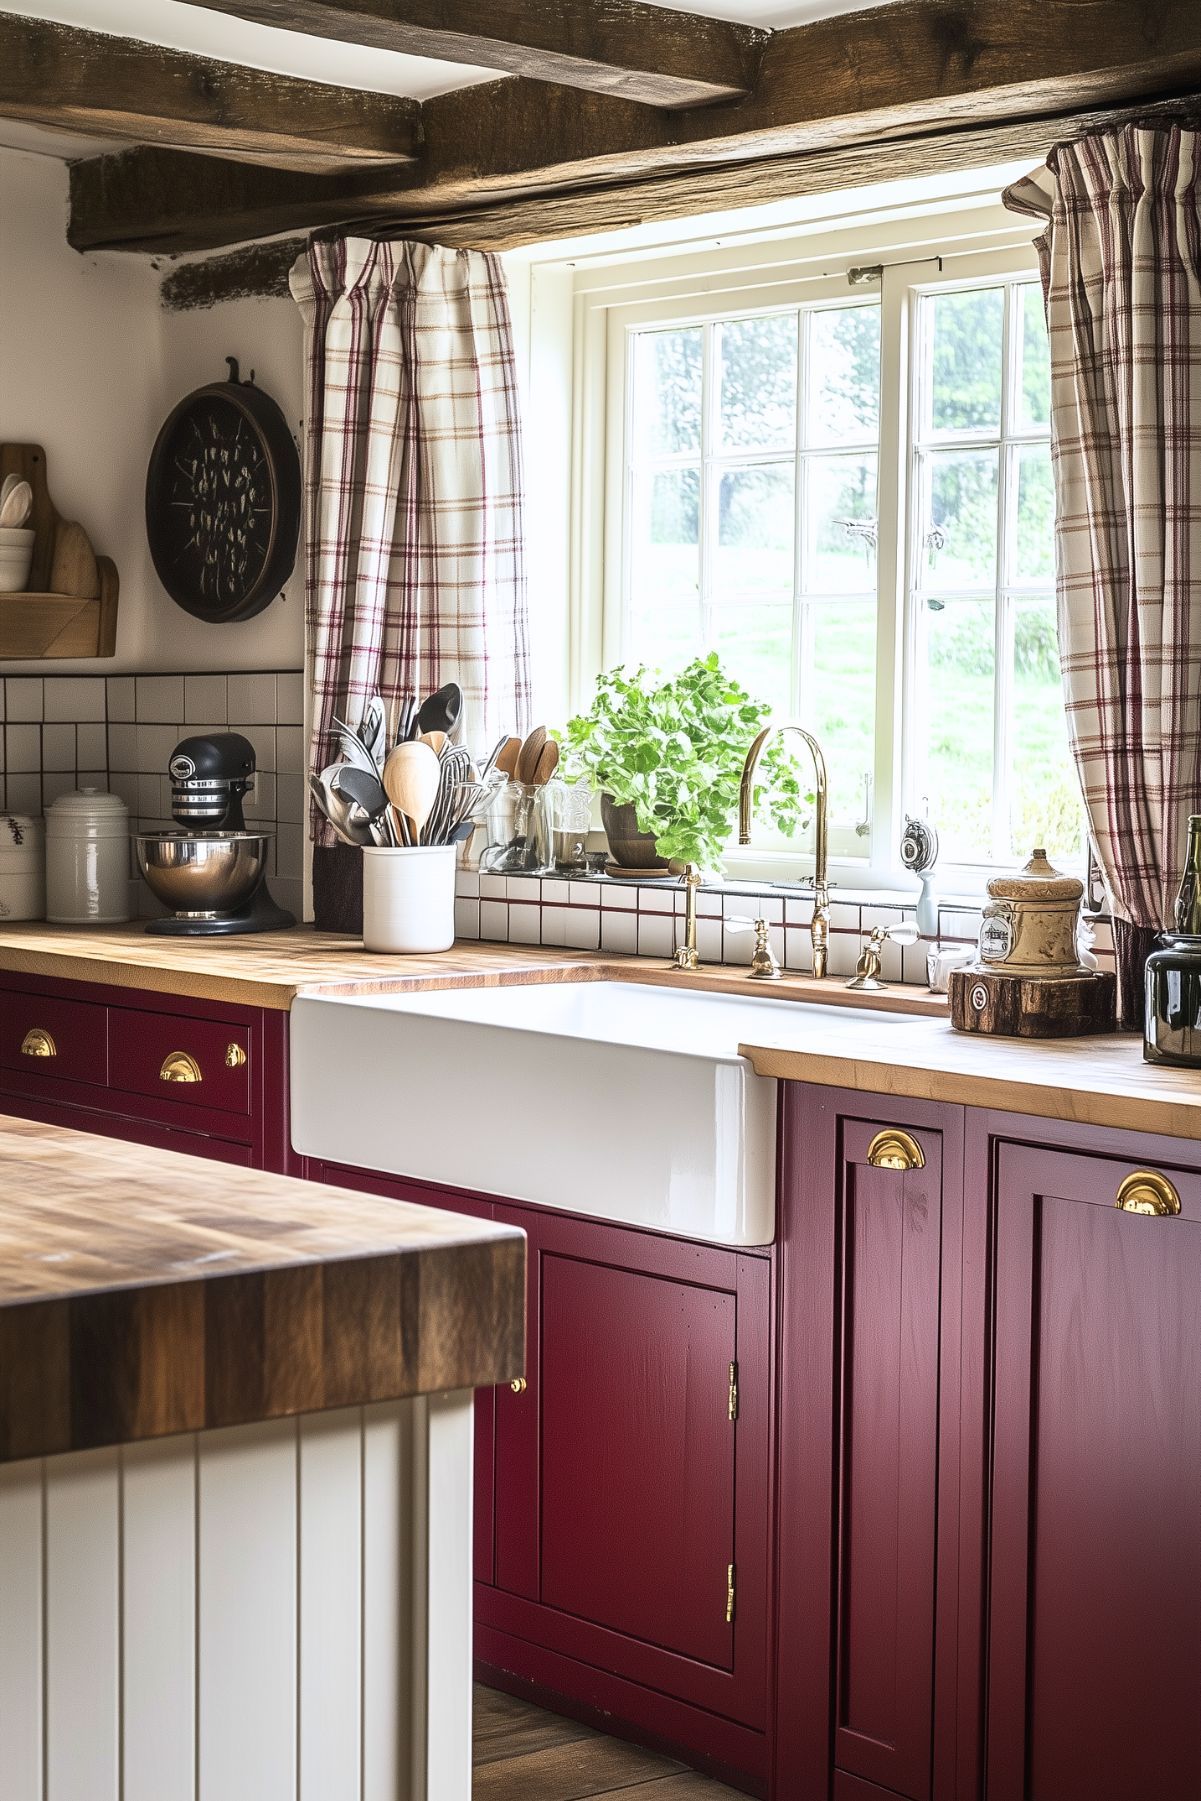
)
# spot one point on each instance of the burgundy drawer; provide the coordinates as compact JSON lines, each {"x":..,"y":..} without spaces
{"x":44,"y":1036}
{"x":197,"y":1062}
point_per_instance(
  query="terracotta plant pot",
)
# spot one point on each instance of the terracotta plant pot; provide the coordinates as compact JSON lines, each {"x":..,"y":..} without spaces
{"x":631,"y":848}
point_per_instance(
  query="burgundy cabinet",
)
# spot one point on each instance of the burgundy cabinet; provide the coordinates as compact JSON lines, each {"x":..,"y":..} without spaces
{"x":870,"y":1236}
{"x":1093,"y":1553}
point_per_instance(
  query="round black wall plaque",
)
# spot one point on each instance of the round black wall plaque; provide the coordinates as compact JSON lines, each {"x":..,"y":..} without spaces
{"x":223,"y":501}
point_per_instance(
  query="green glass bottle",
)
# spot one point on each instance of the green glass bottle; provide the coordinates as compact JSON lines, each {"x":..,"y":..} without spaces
{"x":1188,"y":901}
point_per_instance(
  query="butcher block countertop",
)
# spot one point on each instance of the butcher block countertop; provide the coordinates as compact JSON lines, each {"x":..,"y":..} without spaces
{"x":1097,"y":1081}
{"x":144,"y":1293}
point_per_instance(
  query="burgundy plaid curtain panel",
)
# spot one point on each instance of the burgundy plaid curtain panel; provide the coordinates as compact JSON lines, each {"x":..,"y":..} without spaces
{"x":415,"y":551}
{"x":1121,"y":264}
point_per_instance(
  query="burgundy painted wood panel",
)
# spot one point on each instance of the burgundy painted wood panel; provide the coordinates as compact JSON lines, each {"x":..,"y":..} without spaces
{"x":1095,"y":1551}
{"x":637,"y":1471}
{"x":141,"y":1041}
{"x":79,"y":1031}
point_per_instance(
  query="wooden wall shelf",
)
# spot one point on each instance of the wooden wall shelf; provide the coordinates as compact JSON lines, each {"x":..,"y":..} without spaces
{"x":70,"y":606}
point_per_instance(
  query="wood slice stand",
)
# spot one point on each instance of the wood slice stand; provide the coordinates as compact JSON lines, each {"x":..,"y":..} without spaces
{"x":1008,"y":1006}
{"x":69,"y":608}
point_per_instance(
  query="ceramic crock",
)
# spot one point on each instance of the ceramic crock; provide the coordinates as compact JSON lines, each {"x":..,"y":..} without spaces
{"x":1029,"y":925}
{"x":87,"y":859}
{"x":22,"y":867}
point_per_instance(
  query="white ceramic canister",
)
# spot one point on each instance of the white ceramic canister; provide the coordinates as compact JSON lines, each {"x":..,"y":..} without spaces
{"x":22,"y":867}
{"x":87,"y":859}
{"x":409,"y":898}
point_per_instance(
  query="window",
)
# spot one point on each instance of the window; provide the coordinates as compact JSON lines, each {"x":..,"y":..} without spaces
{"x":847,"y":492}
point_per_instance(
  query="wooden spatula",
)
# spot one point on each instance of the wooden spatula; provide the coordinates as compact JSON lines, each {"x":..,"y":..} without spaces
{"x":531,"y":750}
{"x":411,"y":777}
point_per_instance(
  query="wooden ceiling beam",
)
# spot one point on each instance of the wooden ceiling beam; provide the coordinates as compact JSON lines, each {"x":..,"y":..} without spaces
{"x":917,"y":68}
{"x":87,"y":81}
{"x":644,"y":53}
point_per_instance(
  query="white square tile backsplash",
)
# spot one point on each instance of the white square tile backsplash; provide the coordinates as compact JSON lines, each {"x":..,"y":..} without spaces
{"x":118,"y":731}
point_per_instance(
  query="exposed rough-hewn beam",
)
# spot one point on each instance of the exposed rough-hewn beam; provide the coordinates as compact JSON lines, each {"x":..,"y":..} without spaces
{"x":640,"y":52}
{"x":915,"y":68}
{"x":57,"y":75}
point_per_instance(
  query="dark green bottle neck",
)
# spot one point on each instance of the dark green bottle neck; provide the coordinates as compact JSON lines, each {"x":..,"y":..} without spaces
{"x":1188,"y":901}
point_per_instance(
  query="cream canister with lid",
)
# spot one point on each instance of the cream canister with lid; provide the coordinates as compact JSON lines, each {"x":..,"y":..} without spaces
{"x":1029,"y":927}
{"x":22,"y":867}
{"x":87,"y":859}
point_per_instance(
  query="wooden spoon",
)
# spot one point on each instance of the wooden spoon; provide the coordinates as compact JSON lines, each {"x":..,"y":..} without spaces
{"x":506,"y":757}
{"x":531,"y":750}
{"x":436,"y":741}
{"x":547,"y":763}
{"x":411,"y":778}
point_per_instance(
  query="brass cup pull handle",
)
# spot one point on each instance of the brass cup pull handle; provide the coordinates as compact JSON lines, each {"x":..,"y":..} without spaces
{"x":894,"y":1149}
{"x":235,"y":1056}
{"x":519,"y":1385}
{"x":180,"y":1066}
{"x":37,"y":1042}
{"x":1147,"y":1192}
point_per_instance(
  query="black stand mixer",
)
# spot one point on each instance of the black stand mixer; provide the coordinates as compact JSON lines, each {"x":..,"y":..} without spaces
{"x":212,"y":873}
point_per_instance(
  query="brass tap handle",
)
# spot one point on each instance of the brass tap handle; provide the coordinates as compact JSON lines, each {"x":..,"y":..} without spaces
{"x":180,"y":1066}
{"x":1149,"y":1193}
{"x":38,"y":1042}
{"x":764,"y":966}
{"x":895,"y":1149}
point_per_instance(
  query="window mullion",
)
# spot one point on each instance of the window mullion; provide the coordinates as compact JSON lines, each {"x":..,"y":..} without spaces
{"x":893,"y":661}
{"x":707,"y":498}
{"x":1003,"y":622}
{"x":798,"y":685}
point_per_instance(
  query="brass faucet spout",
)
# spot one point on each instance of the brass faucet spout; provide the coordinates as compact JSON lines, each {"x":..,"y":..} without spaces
{"x":820,"y":927}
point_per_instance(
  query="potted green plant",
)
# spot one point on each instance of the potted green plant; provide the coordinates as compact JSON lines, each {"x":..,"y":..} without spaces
{"x":667,"y":754}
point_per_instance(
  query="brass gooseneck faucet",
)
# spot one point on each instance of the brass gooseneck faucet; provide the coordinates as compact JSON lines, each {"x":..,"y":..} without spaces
{"x":819,"y":930}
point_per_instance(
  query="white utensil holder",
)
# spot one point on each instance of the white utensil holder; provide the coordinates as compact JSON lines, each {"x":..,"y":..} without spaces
{"x":409,"y":898}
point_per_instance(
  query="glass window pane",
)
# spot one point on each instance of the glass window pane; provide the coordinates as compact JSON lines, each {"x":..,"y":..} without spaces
{"x":755,"y":515}
{"x":667,"y":393}
{"x":1034,"y":381}
{"x":1045,"y":804}
{"x":840,"y":525}
{"x":1034,"y":525}
{"x":665,"y":613}
{"x":840,"y":698}
{"x":960,"y":664}
{"x":966,"y":343}
{"x":961,"y":521}
{"x":758,"y":359}
{"x":754,"y":640}
{"x":844,"y":374}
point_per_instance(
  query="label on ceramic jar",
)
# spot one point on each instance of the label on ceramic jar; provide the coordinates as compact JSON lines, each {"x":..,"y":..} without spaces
{"x":996,"y":937}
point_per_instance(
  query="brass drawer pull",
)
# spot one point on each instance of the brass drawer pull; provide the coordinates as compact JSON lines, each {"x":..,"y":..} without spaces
{"x":519,"y":1385}
{"x":180,"y":1066}
{"x":1146,"y":1192}
{"x":235,"y":1056}
{"x":37,"y":1042}
{"x":894,"y":1149}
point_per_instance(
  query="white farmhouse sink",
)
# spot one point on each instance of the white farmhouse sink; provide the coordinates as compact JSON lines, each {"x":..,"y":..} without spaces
{"x":625,"y":1101}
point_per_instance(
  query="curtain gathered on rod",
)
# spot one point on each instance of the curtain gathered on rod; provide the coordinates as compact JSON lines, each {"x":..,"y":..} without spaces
{"x":415,"y":555}
{"x":1121,"y":266}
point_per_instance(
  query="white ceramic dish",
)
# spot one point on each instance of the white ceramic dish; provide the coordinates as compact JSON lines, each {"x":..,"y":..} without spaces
{"x":16,"y":558}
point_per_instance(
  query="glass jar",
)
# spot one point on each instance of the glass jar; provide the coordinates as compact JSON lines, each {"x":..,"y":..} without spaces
{"x":1172,"y":1024}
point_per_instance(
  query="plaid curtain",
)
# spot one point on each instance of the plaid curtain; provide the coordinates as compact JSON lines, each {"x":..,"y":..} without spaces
{"x":415,"y":569}
{"x":1121,"y":265}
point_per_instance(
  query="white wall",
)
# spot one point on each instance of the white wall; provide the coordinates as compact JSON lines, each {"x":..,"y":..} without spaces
{"x":90,"y":365}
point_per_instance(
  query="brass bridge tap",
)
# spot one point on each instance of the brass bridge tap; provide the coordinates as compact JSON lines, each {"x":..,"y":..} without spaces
{"x":819,"y":930}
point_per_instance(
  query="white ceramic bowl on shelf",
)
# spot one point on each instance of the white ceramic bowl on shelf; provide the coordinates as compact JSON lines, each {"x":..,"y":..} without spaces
{"x":16,"y":557}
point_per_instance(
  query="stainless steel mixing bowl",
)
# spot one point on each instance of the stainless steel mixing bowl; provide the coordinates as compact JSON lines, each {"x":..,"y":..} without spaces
{"x":199,"y":874}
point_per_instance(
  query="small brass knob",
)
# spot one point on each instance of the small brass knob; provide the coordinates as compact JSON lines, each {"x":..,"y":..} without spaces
{"x":519,"y":1385}
{"x":894,"y":1149}
{"x":235,"y":1056}
{"x":180,"y":1066}
{"x":37,"y":1042}
{"x":1146,"y":1192}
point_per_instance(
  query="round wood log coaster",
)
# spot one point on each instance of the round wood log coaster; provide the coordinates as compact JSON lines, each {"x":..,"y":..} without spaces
{"x":985,"y":1000}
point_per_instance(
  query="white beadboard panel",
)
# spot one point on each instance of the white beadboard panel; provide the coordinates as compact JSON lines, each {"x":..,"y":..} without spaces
{"x":247,"y":1614}
{"x":158,"y":1586}
{"x":21,"y":1631}
{"x":331,"y":1583}
{"x":82,"y":1627}
{"x":392,"y":1700}
{"x":448,"y":1578}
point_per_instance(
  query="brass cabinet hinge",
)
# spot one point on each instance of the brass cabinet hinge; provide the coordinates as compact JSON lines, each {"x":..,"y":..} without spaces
{"x":729,"y":1594}
{"x":733,"y":1395}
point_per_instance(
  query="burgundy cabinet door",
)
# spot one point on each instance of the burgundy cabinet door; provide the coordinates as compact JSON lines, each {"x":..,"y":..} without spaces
{"x":1094,"y":1579}
{"x":867,"y":1247}
{"x":632,"y":1475}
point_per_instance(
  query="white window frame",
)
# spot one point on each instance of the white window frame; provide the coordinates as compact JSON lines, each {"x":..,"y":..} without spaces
{"x":976,"y":243}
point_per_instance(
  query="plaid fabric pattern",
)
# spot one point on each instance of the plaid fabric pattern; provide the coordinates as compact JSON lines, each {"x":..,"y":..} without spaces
{"x":415,"y":548}
{"x":1121,"y":265}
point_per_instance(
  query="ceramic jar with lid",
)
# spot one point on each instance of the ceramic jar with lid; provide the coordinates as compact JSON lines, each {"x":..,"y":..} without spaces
{"x":22,"y":867}
{"x":87,"y":859}
{"x":1030,"y":923}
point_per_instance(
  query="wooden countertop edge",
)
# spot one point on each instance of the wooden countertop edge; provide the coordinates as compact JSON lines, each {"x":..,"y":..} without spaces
{"x":1106,"y":1106}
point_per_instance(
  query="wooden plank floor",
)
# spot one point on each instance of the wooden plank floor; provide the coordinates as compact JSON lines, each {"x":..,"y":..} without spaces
{"x":524,"y":1754}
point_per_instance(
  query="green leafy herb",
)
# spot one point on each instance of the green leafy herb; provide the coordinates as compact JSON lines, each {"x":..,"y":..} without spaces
{"x":674,"y":748}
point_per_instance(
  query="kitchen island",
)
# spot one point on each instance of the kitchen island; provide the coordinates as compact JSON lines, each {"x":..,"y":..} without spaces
{"x":235,"y":1478}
